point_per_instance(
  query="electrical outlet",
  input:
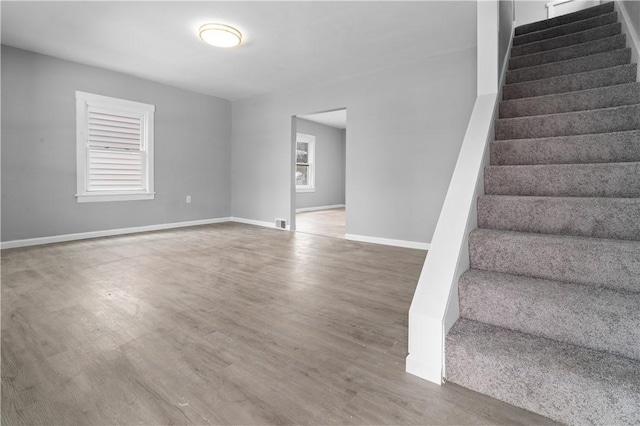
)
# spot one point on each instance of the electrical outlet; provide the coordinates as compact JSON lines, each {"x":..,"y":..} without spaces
{"x":281,"y":223}
{"x":188,"y":199}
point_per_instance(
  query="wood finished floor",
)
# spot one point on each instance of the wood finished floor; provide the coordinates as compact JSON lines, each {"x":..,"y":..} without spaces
{"x":220,"y":324}
{"x":329,"y":223}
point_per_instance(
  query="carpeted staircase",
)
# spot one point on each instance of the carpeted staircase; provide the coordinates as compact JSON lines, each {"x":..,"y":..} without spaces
{"x":550,"y":309}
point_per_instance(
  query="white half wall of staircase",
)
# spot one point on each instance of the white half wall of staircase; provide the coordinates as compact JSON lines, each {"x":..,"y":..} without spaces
{"x":434,"y":308}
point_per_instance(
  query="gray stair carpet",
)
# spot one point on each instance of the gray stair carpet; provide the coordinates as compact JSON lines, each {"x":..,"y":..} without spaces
{"x":582,"y":315}
{"x":569,"y":383}
{"x":594,"y":148}
{"x":598,"y":262}
{"x":570,"y":66}
{"x":568,"y":40}
{"x":604,"y":120}
{"x":625,"y":73}
{"x":594,"y":217}
{"x":570,"y":52}
{"x":550,"y":309}
{"x":569,"y":28}
{"x":598,"y":98}
{"x":565,"y":180}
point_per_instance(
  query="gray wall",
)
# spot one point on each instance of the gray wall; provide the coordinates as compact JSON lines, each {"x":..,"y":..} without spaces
{"x":528,"y":11}
{"x":192,"y":150}
{"x":506,"y":10}
{"x":330,"y":165}
{"x":406,"y":126}
{"x":633,"y":9}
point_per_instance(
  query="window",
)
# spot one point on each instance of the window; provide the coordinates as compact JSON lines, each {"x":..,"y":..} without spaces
{"x":305,"y":162}
{"x":114,"y":149}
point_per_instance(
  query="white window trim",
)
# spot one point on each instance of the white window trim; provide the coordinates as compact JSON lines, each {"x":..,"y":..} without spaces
{"x":83,"y":101}
{"x":311,"y":140}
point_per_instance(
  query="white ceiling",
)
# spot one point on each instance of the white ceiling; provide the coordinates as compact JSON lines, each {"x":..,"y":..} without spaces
{"x":286,"y":44}
{"x":337,"y":119}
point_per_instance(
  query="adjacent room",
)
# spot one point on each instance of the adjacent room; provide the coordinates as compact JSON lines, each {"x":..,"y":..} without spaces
{"x":321,"y":173}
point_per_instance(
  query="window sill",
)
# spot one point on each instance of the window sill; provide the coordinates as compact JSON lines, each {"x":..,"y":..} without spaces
{"x":93,"y":198}
{"x":305,"y":190}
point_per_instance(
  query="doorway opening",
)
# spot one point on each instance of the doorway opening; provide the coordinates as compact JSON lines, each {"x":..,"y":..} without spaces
{"x":319,"y":195}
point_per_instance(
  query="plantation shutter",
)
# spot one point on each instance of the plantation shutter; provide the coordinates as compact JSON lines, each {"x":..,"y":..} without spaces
{"x":115,"y":150}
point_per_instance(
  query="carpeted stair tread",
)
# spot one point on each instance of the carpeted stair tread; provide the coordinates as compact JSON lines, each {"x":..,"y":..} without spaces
{"x":595,"y":318}
{"x":595,"y":148}
{"x":607,"y":263}
{"x":613,"y":180}
{"x":599,"y":98}
{"x":571,"y":52}
{"x":564,"y":382}
{"x":562,"y":30}
{"x":619,"y":74}
{"x":565,"y":19}
{"x":567,"y":40}
{"x":604,"y":120}
{"x":571,"y":66}
{"x":614,"y":218}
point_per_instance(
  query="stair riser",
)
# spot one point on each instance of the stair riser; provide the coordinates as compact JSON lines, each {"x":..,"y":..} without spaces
{"x":614,"y":218}
{"x":568,"y":40}
{"x":602,"y":263}
{"x":563,"y":382}
{"x":600,"y":148}
{"x":565,"y":19}
{"x":621,"y":74}
{"x":573,"y":66}
{"x":567,"y":53}
{"x":614,"y":180}
{"x":604,"y":97}
{"x":587,"y":24}
{"x":597,"y":319}
{"x":574,"y":123}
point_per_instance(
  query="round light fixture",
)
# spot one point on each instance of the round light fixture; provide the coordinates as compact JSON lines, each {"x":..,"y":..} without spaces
{"x":220,"y":35}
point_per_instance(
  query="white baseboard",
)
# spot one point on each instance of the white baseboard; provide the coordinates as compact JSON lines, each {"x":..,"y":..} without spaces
{"x":256,"y":222}
{"x":313,"y":209}
{"x":107,"y":233}
{"x":424,"y":368}
{"x":162,"y":226}
{"x":388,"y":242}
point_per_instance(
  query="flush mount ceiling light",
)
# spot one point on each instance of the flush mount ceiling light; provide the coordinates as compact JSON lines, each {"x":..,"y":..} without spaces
{"x":220,"y":35}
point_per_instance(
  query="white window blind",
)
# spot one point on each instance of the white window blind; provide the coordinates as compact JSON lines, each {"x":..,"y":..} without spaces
{"x":114,"y":149}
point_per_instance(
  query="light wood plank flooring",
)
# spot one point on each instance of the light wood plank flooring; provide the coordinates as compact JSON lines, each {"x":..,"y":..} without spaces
{"x":220,"y":324}
{"x":328,"y":223}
